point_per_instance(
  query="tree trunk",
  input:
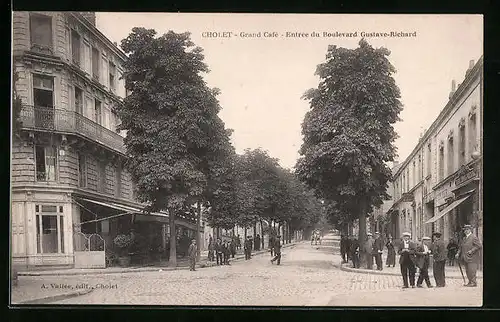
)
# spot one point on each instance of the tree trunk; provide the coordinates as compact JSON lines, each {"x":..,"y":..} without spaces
{"x":198,"y":233}
{"x":362,"y":235}
{"x":245,"y":233}
{"x":172,"y":261}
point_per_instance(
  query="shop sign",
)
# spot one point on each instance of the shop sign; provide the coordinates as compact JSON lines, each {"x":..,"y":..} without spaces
{"x":464,"y":175}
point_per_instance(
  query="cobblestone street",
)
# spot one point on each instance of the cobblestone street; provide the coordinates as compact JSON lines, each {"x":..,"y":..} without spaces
{"x":308,"y":276}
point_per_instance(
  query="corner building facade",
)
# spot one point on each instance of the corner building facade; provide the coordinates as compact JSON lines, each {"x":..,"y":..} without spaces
{"x":439,"y":186}
{"x":68,"y":174}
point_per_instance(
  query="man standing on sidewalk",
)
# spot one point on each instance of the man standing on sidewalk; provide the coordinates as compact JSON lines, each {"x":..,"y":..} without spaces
{"x":438,"y":250}
{"x":368,"y":251}
{"x":247,"y":247}
{"x":218,"y":251}
{"x":377,"y":249}
{"x":422,"y":262}
{"x":277,"y":250}
{"x":407,"y":260}
{"x":469,"y":255}
{"x":192,"y":255}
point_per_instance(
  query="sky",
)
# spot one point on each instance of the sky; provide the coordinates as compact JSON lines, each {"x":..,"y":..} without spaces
{"x":262,"y":79}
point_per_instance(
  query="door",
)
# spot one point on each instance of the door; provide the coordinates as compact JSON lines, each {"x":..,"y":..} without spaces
{"x":43,"y":101}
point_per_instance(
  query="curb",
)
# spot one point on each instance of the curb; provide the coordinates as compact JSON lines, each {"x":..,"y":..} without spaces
{"x":203,"y":264}
{"x":376,"y":272}
{"x":55,"y":298}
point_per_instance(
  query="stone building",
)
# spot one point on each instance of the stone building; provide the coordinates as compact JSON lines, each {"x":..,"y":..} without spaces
{"x":439,"y":186}
{"x":68,"y":176}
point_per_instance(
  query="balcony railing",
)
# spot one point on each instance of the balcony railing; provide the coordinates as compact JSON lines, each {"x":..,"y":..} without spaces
{"x":57,"y":120}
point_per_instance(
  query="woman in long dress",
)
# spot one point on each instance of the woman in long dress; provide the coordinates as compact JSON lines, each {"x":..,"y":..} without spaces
{"x":391,"y":253}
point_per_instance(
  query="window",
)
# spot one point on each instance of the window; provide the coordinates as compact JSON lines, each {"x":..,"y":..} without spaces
{"x":43,"y":101}
{"x":46,"y":163}
{"x":429,"y":159}
{"x":87,"y":62}
{"x":419,"y":169}
{"x":472,"y":134}
{"x":461,"y":142}
{"x":95,"y":63}
{"x":112,"y":77}
{"x":78,"y":100}
{"x":408,"y":179}
{"x":441,"y":163}
{"x":414,"y":174}
{"x":118,"y":180}
{"x":451,"y":156}
{"x":75,"y":47}
{"x":98,"y":111}
{"x":102,"y":176}
{"x":82,"y":170}
{"x":404,"y":184}
{"x":49,"y":229}
{"x":41,"y":33}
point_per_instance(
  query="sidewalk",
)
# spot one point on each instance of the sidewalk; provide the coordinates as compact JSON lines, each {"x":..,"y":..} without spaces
{"x":450,"y":271}
{"x":119,"y":270}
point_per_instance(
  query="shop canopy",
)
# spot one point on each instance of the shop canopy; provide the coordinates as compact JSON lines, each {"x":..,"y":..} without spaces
{"x":449,"y":208}
{"x":124,"y":210}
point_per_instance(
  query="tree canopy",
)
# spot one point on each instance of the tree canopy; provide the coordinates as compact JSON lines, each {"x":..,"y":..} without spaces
{"x":175,"y":140}
{"x":348,"y":132}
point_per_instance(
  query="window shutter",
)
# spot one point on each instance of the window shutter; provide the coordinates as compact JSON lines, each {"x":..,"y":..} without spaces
{"x":104,"y":72}
{"x":87,"y":58}
{"x":89,"y":108}
{"x":71,"y":98}
{"x":69,"y":52}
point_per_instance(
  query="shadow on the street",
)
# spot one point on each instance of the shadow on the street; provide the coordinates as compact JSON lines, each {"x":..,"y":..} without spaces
{"x":321,"y":264}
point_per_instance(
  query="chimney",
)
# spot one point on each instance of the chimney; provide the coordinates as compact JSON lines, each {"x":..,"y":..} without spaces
{"x":471,"y":63}
{"x":89,"y":16}
{"x":453,"y":88}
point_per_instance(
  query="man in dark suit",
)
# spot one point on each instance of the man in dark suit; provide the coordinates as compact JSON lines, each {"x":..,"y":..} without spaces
{"x":407,"y":260}
{"x":422,"y":261}
{"x":469,"y":254}
{"x":377,"y":249}
{"x":219,"y":251}
{"x":192,"y":250}
{"x":438,"y":250}
{"x":355,"y":253}
{"x":277,"y":250}
{"x":247,"y":247}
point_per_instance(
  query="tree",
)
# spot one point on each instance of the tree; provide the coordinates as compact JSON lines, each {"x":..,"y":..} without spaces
{"x":171,"y":120}
{"x":348,"y":133}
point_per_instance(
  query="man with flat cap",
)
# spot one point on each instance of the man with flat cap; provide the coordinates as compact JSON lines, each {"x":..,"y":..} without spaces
{"x":406,"y":254}
{"x":438,"y":250}
{"x":422,"y":261}
{"x":469,"y":254}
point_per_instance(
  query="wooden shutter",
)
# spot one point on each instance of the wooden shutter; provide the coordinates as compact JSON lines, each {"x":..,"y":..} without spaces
{"x":104,"y":72}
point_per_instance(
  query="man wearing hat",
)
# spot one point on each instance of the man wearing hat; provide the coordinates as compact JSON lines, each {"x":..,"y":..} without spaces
{"x":368,"y":251}
{"x":247,"y":247}
{"x":438,"y":250}
{"x":192,"y":252}
{"x":277,"y":250}
{"x":406,"y":254}
{"x":422,"y":261}
{"x":377,"y":249}
{"x":469,"y":254}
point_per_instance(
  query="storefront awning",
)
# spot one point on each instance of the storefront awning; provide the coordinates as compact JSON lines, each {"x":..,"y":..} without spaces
{"x":127,"y":210}
{"x":446,"y":210}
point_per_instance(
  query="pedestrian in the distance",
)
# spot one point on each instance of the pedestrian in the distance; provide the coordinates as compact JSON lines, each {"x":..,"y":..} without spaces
{"x":377,"y":249}
{"x":257,"y":242}
{"x":192,"y":250}
{"x":356,"y":262}
{"x":232,"y":246}
{"x":391,"y":253}
{"x":439,"y":260}
{"x":238,"y":241}
{"x":422,"y":261}
{"x":452,"y":251}
{"x":219,"y":251}
{"x":469,"y":254}
{"x":277,"y":250}
{"x":407,"y":260}
{"x":368,"y":251}
{"x":271,"y":244}
{"x":227,"y":252}
{"x":211,"y":245}
{"x":348,"y":242}
{"x":247,"y":247}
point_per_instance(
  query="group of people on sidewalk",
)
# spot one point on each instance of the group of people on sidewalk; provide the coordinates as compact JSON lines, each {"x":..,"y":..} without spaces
{"x":413,"y":255}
